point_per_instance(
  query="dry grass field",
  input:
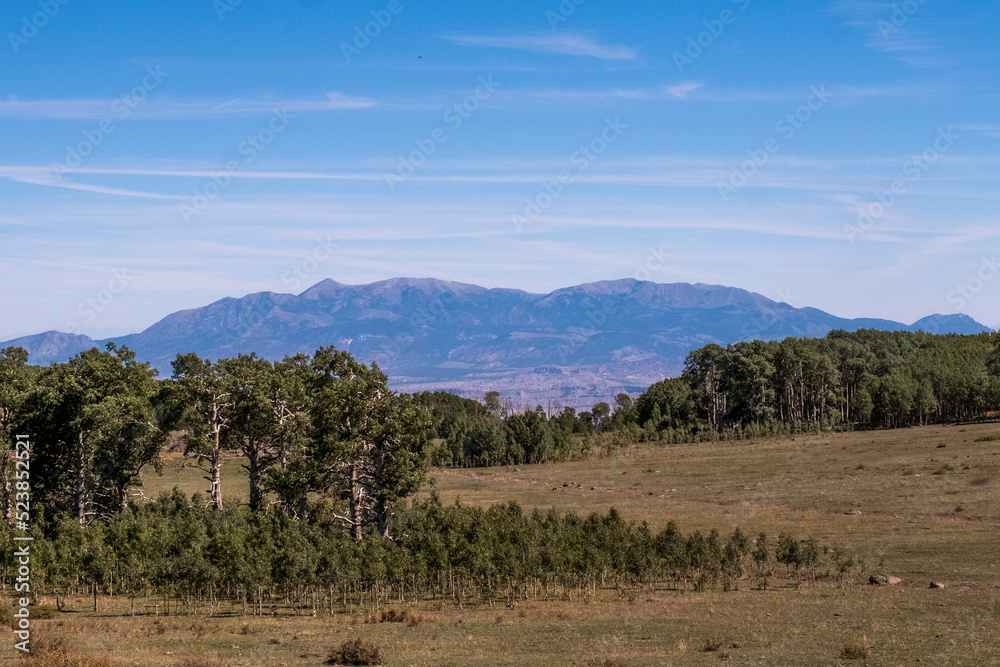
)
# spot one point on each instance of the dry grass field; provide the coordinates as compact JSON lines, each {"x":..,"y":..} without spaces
{"x":921,"y":504}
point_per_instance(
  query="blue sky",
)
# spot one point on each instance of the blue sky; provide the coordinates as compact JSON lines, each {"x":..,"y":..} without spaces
{"x":840,"y":154}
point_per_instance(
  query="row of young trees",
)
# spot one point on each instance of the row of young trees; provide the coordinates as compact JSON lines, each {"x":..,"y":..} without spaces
{"x":180,"y":552}
{"x":865,"y":379}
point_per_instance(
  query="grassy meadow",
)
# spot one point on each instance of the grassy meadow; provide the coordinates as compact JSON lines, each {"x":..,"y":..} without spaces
{"x":922,"y":504}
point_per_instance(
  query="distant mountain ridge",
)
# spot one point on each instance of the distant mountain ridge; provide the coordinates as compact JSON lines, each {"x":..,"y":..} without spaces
{"x":574,"y":345}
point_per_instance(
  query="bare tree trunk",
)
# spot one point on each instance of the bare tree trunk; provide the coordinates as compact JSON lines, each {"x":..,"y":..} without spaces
{"x":216,"y":479}
{"x":8,"y":487}
{"x":123,"y":494}
{"x":216,"y":472}
{"x":355,"y":504}
{"x":81,"y":483}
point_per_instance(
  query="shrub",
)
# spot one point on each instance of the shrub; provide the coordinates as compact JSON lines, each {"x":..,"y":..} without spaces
{"x":407,"y":616}
{"x":356,"y":651}
{"x":841,"y":560}
{"x":55,"y":653}
{"x":711,"y":644}
{"x":854,"y":652}
{"x":988,"y":438}
{"x":788,"y":552}
{"x":201,"y":662}
{"x":43,"y":612}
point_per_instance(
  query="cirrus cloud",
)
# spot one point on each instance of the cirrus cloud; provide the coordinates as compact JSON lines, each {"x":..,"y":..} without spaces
{"x":568,"y":44}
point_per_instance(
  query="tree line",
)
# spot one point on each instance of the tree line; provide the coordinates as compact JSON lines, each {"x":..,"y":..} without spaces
{"x":861,"y":379}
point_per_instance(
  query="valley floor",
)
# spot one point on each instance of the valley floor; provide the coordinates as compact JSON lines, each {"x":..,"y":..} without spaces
{"x":922,"y":504}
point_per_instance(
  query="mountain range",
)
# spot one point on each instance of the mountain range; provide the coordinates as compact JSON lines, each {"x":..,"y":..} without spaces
{"x":573,"y":346}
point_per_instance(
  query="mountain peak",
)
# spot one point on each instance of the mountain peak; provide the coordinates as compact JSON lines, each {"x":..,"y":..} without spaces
{"x":322,"y":288}
{"x":52,"y":346}
{"x":329,"y":287}
{"x":940,"y":323}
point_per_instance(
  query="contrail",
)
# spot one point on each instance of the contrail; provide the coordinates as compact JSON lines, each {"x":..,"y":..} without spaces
{"x":227,"y":103}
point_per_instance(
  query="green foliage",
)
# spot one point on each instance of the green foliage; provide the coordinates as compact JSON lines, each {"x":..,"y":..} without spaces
{"x":368,"y":446}
{"x":15,"y":381}
{"x":94,"y":429}
{"x":842,"y":561}
{"x":864,"y":378}
{"x":172,"y":547}
{"x":203,"y":394}
{"x":531,"y":437}
{"x":788,"y":553}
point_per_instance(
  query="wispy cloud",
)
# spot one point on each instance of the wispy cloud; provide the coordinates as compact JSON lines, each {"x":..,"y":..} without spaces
{"x":682,"y":90}
{"x":695,"y":91}
{"x":169,"y":108}
{"x":924,"y":252}
{"x":46,"y":177}
{"x":830,"y":175}
{"x":569,"y":44}
{"x":992,"y":131}
{"x":890,"y":31}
